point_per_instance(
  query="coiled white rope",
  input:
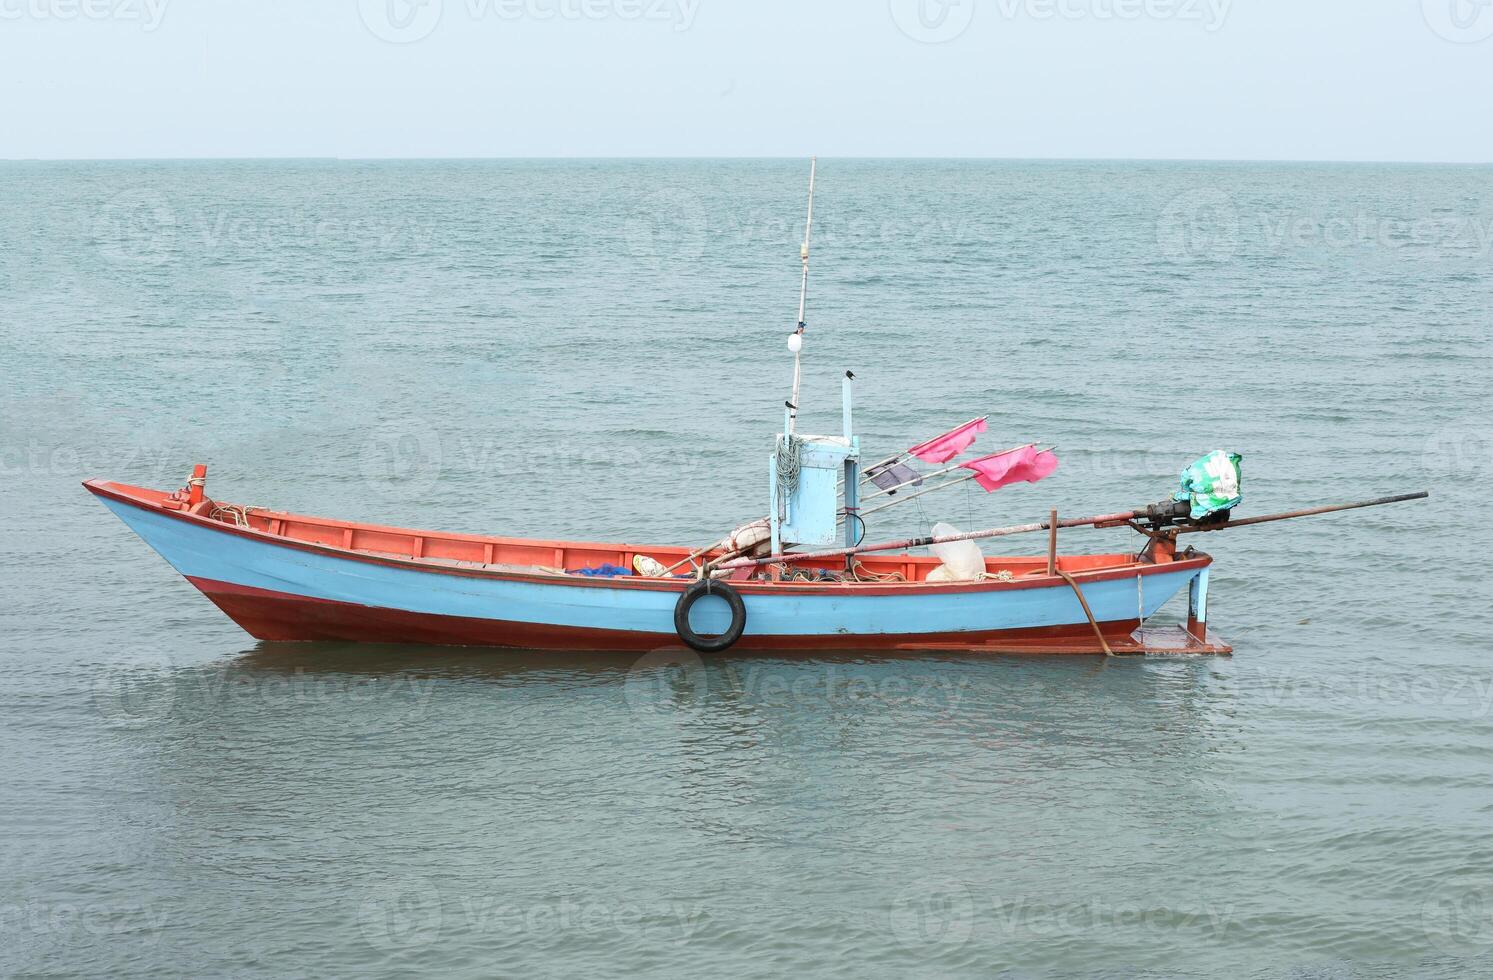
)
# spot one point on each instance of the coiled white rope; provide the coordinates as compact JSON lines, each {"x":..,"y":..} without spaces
{"x":790,"y":463}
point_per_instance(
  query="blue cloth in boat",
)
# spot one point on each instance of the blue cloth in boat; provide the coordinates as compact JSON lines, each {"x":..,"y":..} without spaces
{"x":607,"y":570}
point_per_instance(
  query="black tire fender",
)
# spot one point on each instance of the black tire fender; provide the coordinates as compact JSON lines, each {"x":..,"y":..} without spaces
{"x":696,"y":591}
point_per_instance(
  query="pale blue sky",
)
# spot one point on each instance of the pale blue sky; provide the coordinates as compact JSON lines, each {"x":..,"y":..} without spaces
{"x":1232,"y":79}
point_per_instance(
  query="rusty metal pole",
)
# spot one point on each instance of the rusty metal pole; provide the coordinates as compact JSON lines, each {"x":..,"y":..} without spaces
{"x":1310,"y":512}
{"x":1102,"y":520}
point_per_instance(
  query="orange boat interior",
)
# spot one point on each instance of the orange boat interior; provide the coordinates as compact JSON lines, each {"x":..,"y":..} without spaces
{"x":527,"y":556}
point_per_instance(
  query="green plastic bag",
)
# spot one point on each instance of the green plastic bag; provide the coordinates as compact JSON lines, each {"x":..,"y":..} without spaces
{"x":1212,"y":484}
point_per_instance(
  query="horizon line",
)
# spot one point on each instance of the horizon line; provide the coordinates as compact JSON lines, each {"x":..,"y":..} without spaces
{"x":772,"y":157}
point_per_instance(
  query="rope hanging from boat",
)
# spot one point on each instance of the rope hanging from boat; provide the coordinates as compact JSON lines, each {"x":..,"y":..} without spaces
{"x":1104,"y":644}
{"x":790,"y":463}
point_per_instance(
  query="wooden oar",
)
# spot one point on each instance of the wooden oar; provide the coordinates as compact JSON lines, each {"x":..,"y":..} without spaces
{"x":693,"y":556}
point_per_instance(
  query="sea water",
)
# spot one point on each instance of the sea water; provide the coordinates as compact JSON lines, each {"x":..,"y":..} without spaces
{"x":596,"y":350}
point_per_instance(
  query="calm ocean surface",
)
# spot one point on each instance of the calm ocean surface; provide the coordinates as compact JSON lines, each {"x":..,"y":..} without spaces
{"x":595,"y":349}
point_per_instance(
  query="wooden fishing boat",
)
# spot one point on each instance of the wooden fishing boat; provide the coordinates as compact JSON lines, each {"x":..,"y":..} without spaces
{"x":287,"y":576}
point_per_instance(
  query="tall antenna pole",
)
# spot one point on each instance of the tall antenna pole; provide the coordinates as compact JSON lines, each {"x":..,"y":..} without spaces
{"x":796,"y":342}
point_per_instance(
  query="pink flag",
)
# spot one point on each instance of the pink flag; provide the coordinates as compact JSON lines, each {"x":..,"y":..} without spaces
{"x":950,"y":444}
{"x":1012,"y":466}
